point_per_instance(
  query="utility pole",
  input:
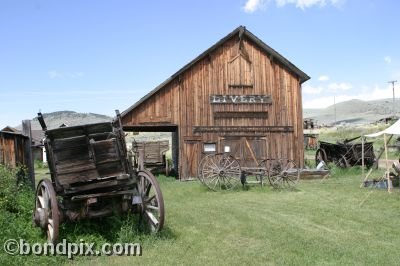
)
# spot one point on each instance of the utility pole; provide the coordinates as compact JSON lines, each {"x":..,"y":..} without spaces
{"x":393,"y":82}
{"x":334,"y":107}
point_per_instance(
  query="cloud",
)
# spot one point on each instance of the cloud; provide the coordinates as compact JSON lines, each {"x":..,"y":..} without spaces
{"x":303,"y":4}
{"x":54,"y":74}
{"x":340,"y":86}
{"x":387,"y":59}
{"x":323,"y":78}
{"x":368,"y":94}
{"x":252,"y":5}
{"x":312,"y":90}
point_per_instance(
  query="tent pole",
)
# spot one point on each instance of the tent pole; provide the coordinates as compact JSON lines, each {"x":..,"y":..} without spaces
{"x":387,"y":165}
{"x":362,"y":156}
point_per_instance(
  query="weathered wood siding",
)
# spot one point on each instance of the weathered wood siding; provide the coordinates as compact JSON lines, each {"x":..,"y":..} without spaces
{"x":12,"y":149}
{"x":185,"y":101}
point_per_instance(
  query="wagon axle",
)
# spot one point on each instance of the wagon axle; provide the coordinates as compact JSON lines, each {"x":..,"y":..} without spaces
{"x":223,"y":171}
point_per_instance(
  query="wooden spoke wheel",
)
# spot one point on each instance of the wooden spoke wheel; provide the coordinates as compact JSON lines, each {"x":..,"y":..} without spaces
{"x":200,"y":173}
{"x":220,"y":171}
{"x":46,"y":214}
{"x":151,"y":208}
{"x":262,"y":173}
{"x":320,"y":155}
{"x":283,"y":173}
{"x":343,"y":162}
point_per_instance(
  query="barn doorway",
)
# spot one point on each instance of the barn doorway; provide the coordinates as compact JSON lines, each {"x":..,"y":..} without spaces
{"x":147,"y":134}
{"x":249,"y":151}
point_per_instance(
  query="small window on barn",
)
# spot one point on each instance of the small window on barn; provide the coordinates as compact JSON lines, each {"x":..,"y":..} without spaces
{"x":210,"y":147}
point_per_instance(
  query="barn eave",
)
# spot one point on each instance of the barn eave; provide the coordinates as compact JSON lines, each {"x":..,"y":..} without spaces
{"x":240,"y":30}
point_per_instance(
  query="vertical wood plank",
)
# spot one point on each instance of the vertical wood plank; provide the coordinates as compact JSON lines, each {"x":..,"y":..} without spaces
{"x":26,"y":131}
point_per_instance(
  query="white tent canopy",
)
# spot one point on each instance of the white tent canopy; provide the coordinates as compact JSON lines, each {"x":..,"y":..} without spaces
{"x":392,"y":130}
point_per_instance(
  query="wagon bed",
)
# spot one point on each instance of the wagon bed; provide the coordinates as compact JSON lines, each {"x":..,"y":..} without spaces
{"x":87,"y":157}
{"x":153,"y":153}
{"x":345,"y":154}
{"x":91,"y":176}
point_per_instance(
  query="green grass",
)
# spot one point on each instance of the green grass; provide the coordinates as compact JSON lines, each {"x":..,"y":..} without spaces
{"x":329,"y":222}
{"x":321,"y":222}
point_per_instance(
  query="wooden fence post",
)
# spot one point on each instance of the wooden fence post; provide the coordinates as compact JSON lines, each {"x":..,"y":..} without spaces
{"x":26,"y":131}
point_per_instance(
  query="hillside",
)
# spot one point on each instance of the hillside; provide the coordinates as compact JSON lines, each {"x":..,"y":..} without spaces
{"x":354,"y":111}
{"x":69,"y":118}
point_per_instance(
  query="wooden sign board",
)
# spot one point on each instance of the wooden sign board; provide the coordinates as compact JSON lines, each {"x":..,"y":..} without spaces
{"x":240,"y":99}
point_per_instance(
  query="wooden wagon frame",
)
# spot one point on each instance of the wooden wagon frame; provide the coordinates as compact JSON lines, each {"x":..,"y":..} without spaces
{"x":222,"y":171}
{"x":345,"y":154}
{"x":91,"y":177}
{"x":154,"y":154}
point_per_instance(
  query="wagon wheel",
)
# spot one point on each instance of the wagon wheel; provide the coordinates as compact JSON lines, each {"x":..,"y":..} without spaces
{"x":320,"y":155}
{"x":283,"y":173}
{"x":220,"y":171}
{"x":262,"y":174}
{"x":152,"y":205}
{"x":342,"y":162}
{"x":200,"y":168}
{"x":46,"y":213}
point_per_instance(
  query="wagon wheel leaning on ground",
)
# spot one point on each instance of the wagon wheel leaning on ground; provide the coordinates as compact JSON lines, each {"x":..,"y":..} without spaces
{"x":219,"y":171}
{"x":283,"y":173}
{"x":320,"y":155}
{"x":46,"y":214}
{"x":200,"y":168}
{"x":151,"y":208}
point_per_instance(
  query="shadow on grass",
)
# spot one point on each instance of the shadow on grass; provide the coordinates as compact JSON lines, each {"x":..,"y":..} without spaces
{"x":113,"y":229}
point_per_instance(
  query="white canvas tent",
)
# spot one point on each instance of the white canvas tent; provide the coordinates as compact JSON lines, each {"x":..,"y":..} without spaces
{"x":392,"y":130}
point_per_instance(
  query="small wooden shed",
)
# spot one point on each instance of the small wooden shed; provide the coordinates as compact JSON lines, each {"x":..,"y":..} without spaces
{"x":12,"y":148}
{"x":240,"y":96}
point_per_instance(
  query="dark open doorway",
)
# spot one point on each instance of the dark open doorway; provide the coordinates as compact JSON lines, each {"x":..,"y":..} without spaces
{"x":172,"y":136}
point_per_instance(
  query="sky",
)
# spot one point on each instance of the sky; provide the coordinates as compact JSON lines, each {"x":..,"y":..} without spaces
{"x":97,"y":55}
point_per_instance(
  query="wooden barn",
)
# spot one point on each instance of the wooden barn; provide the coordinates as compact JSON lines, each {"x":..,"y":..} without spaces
{"x":239,"y":96}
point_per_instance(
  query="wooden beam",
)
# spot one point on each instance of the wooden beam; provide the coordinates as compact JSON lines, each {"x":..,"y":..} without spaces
{"x":26,"y":131}
{"x":236,"y":129}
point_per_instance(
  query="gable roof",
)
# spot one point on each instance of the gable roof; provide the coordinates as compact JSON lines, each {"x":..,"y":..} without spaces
{"x":10,"y":129}
{"x":241,"y":30}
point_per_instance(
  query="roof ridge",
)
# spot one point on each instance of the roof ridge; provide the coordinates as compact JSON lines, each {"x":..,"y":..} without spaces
{"x":241,"y":31}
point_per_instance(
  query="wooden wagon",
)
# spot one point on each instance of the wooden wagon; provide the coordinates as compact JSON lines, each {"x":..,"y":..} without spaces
{"x":345,"y":154}
{"x":222,"y":171}
{"x":92,"y":177}
{"x":154,"y":154}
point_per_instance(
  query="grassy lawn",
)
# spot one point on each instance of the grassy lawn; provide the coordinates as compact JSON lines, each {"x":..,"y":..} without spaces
{"x":321,"y":222}
{"x":329,"y":222}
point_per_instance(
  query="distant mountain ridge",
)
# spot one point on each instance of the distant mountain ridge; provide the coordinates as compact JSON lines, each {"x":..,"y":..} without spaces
{"x":69,"y":118}
{"x":354,"y":111}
